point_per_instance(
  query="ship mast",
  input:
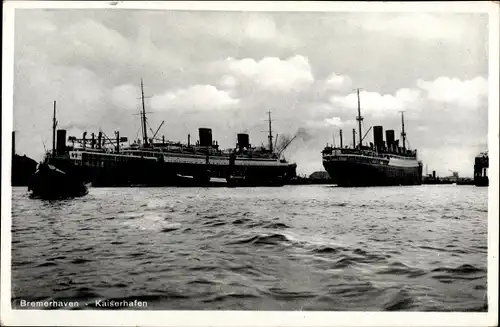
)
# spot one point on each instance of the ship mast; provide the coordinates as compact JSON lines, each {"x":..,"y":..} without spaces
{"x":403,"y":134}
{"x":54,"y":125}
{"x":359,"y":119}
{"x":270,"y":134}
{"x":143,"y":117}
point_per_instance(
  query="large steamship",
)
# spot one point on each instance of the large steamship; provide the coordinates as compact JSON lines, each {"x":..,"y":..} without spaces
{"x":105,"y":161}
{"x":382,"y":163}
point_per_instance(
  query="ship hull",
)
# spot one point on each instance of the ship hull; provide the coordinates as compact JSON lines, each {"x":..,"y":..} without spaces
{"x":481,"y":181}
{"x":160,"y":173}
{"x":352,"y":174}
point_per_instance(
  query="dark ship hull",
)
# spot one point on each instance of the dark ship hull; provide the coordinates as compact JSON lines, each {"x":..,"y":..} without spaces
{"x":351,"y":174}
{"x":48,"y":182}
{"x":481,"y":181}
{"x":125,"y":170}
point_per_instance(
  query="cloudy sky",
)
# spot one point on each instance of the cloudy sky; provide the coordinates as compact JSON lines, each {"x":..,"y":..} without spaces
{"x":225,"y":70}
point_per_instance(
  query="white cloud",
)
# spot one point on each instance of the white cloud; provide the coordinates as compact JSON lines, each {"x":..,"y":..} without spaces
{"x":275,"y":74}
{"x":334,"y":121}
{"x":125,"y":96}
{"x":86,"y":36}
{"x":337,"y":82}
{"x":467,"y":93}
{"x":379,"y":104}
{"x":41,"y":26}
{"x":260,"y":27}
{"x":228,"y":81}
{"x":196,"y":97}
{"x":422,"y":26}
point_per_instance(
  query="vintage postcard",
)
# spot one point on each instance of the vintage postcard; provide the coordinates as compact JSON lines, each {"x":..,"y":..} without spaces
{"x":250,"y":163}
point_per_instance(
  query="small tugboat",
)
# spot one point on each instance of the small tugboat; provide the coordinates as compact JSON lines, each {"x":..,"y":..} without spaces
{"x":49,"y":182}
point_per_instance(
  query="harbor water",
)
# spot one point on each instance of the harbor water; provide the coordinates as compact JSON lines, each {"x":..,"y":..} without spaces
{"x":416,"y":248}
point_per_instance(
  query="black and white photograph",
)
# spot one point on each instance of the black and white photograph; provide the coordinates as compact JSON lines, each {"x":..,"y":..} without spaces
{"x":270,"y":163}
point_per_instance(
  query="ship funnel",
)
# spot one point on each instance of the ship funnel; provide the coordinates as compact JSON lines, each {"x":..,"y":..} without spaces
{"x":389,"y":138}
{"x":378,"y":137}
{"x":99,"y":140}
{"x":61,"y":141}
{"x":92,"y":144}
{"x":117,"y":133}
{"x":205,"y":135}
{"x":243,"y":141}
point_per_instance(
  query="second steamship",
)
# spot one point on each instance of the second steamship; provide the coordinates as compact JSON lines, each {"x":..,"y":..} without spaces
{"x":382,"y":163}
{"x":104,"y":161}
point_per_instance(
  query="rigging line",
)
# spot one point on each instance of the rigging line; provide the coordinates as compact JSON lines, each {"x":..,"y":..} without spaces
{"x":137,"y":133}
{"x":150,"y":128}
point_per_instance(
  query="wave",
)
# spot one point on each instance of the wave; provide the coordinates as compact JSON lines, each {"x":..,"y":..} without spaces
{"x":249,"y":223}
{"x":269,"y":225}
{"x":399,"y":268}
{"x":245,"y":269}
{"x":47,"y":264}
{"x":211,"y":216}
{"x":171,"y":227}
{"x":276,"y":225}
{"x":202,"y":281}
{"x":263,"y":239}
{"x":241,"y":221}
{"x":463,"y":269}
{"x":400,"y":301}
{"x":448,"y":248}
{"x":214,"y":223}
{"x":325,"y":249}
{"x":78,"y":261}
{"x":351,"y":289}
{"x":449,"y":275}
{"x":282,"y":294}
{"x":364,"y":256}
{"x":344,"y":262}
{"x":130,"y":215}
{"x":230,"y":296}
{"x":59,"y":257}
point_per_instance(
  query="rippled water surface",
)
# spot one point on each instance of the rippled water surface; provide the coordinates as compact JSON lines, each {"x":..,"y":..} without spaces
{"x":290,"y":248}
